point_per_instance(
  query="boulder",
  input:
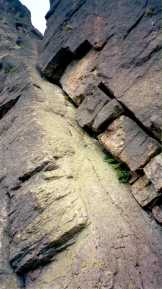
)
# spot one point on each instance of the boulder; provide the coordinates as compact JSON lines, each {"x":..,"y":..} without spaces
{"x":94,"y":101}
{"x":153,"y":171}
{"x":156,"y":125}
{"x":157,"y":213}
{"x":107,"y":114}
{"x":144,"y":192}
{"x":78,"y":76}
{"x":129,"y":143}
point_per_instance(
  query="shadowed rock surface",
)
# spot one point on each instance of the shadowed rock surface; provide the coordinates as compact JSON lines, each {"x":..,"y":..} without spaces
{"x":66,"y":222}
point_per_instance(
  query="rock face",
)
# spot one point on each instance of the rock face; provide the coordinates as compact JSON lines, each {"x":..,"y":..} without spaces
{"x":113,"y":51}
{"x":131,"y":72}
{"x":66,"y":222}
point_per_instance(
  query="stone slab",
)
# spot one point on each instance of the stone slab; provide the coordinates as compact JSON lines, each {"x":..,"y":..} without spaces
{"x":129,"y":143}
{"x":144,"y":192}
{"x":153,"y":171}
{"x":107,"y":114}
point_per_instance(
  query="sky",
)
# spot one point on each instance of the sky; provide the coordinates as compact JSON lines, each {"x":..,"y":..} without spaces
{"x":38,"y":10}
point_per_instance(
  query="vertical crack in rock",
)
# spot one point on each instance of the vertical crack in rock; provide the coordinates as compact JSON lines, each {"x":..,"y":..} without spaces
{"x":106,"y":90}
{"x":138,"y":20}
{"x":22,"y":281}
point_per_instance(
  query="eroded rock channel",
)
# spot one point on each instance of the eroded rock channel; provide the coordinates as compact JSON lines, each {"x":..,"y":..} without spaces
{"x":66,"y":221}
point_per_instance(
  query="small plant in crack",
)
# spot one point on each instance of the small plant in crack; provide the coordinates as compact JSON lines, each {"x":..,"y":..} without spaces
{"x":68,"y":28}
{"x":122,"y":171}
{"x":150,"y":11}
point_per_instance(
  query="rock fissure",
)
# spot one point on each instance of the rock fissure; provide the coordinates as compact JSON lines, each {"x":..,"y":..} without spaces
{"x":7,"y":106}
{"x":22,"y":281}
{"x":45,"y":166}
{"x":135,"y":24}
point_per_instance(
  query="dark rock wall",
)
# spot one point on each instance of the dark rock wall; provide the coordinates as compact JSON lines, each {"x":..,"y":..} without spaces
{"x":126,"y":38}
{"x":128,"y":35}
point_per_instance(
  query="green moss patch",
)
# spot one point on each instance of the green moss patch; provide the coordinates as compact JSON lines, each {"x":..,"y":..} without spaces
{"x":122,"y":171}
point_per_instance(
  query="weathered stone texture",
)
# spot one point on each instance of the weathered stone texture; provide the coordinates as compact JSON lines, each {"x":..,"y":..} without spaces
{"x":153,"y":171}
{"x":15,"y":23}
{"x":94,"y":101}
{"x":8,"y":279}
{"x":129,"y":143}
{"x":107,"y":114}
{"x":45,"y":215}
{"x":46,"y":211}
{"x":144,"y":192}
{"x":78,"y":76}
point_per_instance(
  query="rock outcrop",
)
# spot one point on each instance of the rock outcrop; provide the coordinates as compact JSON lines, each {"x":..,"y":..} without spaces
{"x":66,"y":222}
{"x":115,"y":44}
{"x":106,"y":57}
